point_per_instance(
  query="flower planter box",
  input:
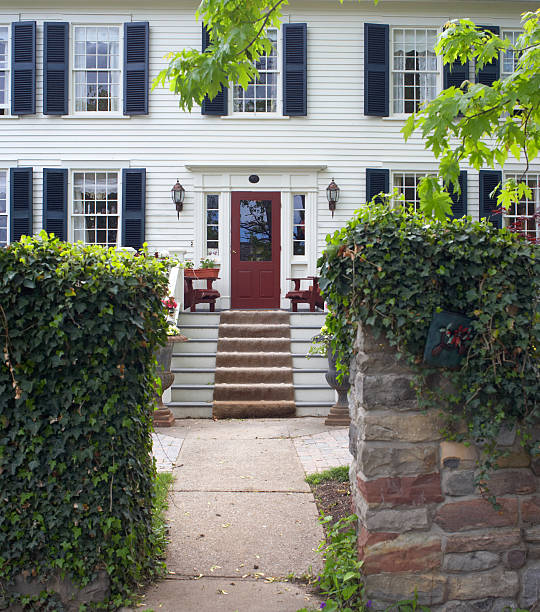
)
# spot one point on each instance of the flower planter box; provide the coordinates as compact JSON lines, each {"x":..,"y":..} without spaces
{"x":201,"y":273}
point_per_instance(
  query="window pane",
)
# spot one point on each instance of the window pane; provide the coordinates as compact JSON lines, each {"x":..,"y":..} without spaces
{"x":263,"y":97}
{"x":212,"y":224}
{"x":3,"y":208}
{"x":406,"y":184}
{"x":255,"y":230}
{"x":414,"y":69}
{"x":524,"y":217}
{"x":299,"y":229}
{"x":96,"y":69}
{"x":95,"y":217}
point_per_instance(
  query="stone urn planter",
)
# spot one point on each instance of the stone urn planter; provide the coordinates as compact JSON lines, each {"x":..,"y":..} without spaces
{"x":339,"y":413}
{"x":201,"y":273}
{"x":162,"y":416}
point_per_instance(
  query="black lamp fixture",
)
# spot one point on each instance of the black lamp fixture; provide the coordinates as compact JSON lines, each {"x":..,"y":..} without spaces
{"x":332,"y":194}
{"x":177,"y":195}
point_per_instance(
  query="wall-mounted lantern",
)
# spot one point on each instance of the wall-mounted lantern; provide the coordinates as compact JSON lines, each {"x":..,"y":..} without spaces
{"x":332,"y":194}
{"x":177,"y":195}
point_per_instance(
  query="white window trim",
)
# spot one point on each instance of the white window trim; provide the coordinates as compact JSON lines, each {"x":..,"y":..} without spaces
{"x":393,"y":173}
{"x":503,"y":30}
{"x":507,"y":219}
{"x":261,"y":115}
{"x":71,"y":172}
{"x":205,"y":225}
{"x":8,"y":204}
{"x":439,"y":83}
{"x":301,"y":259}
{"x":95,"y":114}
{"x":7,"y":114}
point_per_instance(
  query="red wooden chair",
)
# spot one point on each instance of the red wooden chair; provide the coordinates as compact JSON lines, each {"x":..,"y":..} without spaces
{"x":311,"y":296}
{"x":192,"y":296}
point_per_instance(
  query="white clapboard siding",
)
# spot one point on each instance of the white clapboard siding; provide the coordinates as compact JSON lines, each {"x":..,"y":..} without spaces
{"x":335,"y":133}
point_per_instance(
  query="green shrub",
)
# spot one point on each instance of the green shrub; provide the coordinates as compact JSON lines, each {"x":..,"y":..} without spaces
{"x":78,"y":330}
{"x":392,"y":269}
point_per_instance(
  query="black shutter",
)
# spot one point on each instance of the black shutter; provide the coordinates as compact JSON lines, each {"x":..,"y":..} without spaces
{"x":23,"y":68}
{"x":489,"y":179}
{"x":490,"y":72}
{"x":376,"y":69}
{"x":377,"y":180}
{"x":20,"y":214}
{"x":55,"y":201}
{"x":136,"y":39}
{"x":219,"y":105}
{"x":295,"y":69}
{"x":133,"y":207}
{"x":55,"y":68}
{"x":455,"y":73}
{"x":459,"y":202}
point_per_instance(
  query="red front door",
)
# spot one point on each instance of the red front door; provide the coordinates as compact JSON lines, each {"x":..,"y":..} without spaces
{"x":255,"y":250}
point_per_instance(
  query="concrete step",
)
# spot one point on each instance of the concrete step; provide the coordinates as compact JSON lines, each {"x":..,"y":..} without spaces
{"x":300,"y":347}
{"x":259,"y":359}
{"x":315,"y":319}
{"x":254,"y":316}
{"x":304,"y":332}
{"x":200,"y":331}
{"x":254,"y":345}
{"x":200,"y":345}
{"x":192,"y":393}
{"x":254,"y":409}
{"x":309,"y":376}
{"x":193,"y":376}
{"x":252,"y":330}
{"x":301,"y":362}
{"x":198,"y":318}
{"x":253,"y":392}
{"x":191,"y":410}
{"x":307,"y":409}
{"x":314,"y":393}
{"x":193,"y":360}
{"x":253,"y":375}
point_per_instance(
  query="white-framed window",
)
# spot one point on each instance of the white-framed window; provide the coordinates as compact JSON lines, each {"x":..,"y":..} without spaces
{"x":97,"y":72}
{"x":4,"y":70}
{"x":4,"y":209}
{"x":524,"y":217}
{"x":509,"y":57}
{"x":95,"y":210}
{"x":299,"y":224}
{"x":415,"y":68}
{"x":263,"y":95}
{"x":212,"y":225}
{"x":406,"y":184}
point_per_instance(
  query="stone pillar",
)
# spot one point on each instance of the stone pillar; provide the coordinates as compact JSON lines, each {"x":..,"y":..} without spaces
{"x":422,"y":523}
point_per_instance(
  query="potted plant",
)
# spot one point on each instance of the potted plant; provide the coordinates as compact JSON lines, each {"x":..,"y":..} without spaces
{"x":321,"y":345}
{"x":209,"y":268}
{"x":163,"y":417}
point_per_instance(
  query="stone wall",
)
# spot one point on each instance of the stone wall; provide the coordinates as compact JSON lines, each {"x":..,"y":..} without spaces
{"x":422,"y":524}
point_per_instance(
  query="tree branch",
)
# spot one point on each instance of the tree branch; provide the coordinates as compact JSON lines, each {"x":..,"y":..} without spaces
{"x":265,"y":17}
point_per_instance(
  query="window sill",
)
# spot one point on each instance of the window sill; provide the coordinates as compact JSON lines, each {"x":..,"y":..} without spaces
{"x":91,"y":116}
{"x":250,"y":117}
{"x":8,"y":117}
{"x":400,"y":117}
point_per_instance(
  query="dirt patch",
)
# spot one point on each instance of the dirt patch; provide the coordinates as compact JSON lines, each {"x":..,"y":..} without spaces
{"x":333,"y":498}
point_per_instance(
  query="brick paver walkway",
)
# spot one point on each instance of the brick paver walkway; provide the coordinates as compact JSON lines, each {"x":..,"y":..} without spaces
{"x":318,"y":452}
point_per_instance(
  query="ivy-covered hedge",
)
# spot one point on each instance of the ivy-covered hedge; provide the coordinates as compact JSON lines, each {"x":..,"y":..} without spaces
{"x":392,"y":269}
{"x":78,"y":330}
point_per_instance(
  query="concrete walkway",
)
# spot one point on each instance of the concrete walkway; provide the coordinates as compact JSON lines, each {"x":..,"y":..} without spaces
{"x":241,"y":516}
